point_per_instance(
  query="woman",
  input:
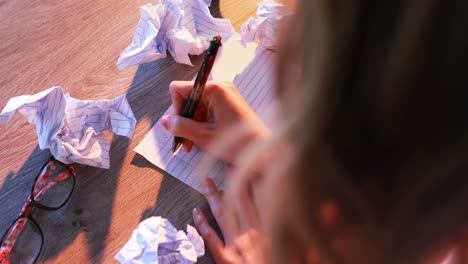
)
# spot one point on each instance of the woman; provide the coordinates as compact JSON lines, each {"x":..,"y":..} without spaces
{"x":370,"y":164}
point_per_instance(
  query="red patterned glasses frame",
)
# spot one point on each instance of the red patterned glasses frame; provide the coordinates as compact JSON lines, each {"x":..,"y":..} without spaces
{"x":44,"y":182}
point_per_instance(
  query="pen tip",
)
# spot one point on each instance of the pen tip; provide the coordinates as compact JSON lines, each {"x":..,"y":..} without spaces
{"x":176,"y":147}
{"x":174,"y":152}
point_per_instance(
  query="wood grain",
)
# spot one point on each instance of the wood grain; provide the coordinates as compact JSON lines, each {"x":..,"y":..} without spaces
{"x":75,"y":44}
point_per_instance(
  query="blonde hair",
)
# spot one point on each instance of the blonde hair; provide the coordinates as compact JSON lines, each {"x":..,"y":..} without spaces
{"x":379,"y":130}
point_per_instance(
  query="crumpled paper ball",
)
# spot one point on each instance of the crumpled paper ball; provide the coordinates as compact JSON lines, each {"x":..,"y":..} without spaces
{"x":72,"y":128}
{"x":265,"y":27}
{"x":157,"y":241}
{"x":181,"y":27}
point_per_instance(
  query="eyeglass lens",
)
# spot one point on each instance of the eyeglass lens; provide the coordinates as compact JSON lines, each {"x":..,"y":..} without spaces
{"x":28,"y":242}
{"x":52,"y":188}
{"x":54,"y":185}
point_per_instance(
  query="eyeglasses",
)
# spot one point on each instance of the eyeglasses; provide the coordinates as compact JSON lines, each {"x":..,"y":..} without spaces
{"x":23,"y":240}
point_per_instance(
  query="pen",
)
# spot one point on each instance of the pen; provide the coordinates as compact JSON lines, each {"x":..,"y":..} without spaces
{"x":198,"y":86}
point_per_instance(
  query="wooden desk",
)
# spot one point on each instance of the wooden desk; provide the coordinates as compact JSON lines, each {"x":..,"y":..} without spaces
{"x":75,"y":44}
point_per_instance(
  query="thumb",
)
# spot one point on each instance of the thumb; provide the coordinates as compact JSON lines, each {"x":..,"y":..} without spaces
{"x":200,"y":133}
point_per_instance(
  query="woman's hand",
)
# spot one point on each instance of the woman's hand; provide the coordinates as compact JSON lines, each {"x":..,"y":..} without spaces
{"x":221,"y":111}
{"x":245,"y":248}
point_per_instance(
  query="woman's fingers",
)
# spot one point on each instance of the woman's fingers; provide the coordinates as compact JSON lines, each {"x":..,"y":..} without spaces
{"x":213,"y":242}
{"x":216,"y":205}
{"x":199,"y":133}
{"x":241,"y":249}
{"x":180,"y":92}
{"x":248,"y":247}
{"x":188,"y":145}
{"x":246,"y":210}
{"x":179,"y":126}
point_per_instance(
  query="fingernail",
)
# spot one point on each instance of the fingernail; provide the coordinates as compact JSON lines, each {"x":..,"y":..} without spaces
{"x":207,"y":186}
{"x":204,"y":229}
{"x":187,"y":148}
{"x":197,"y":215}
{"x":171,"y":122}
{"x":164,"y":120}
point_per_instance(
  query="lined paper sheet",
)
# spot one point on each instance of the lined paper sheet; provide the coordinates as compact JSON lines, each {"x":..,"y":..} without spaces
{"x":72,"y":128}
{"x":250,"y":69}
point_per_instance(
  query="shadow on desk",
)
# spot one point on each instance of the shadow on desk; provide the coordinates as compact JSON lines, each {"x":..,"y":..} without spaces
{"x":56,"y":226}
{"x":89,"y":210}
{"x":16,"y":188}
{"x":148,"y":96}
